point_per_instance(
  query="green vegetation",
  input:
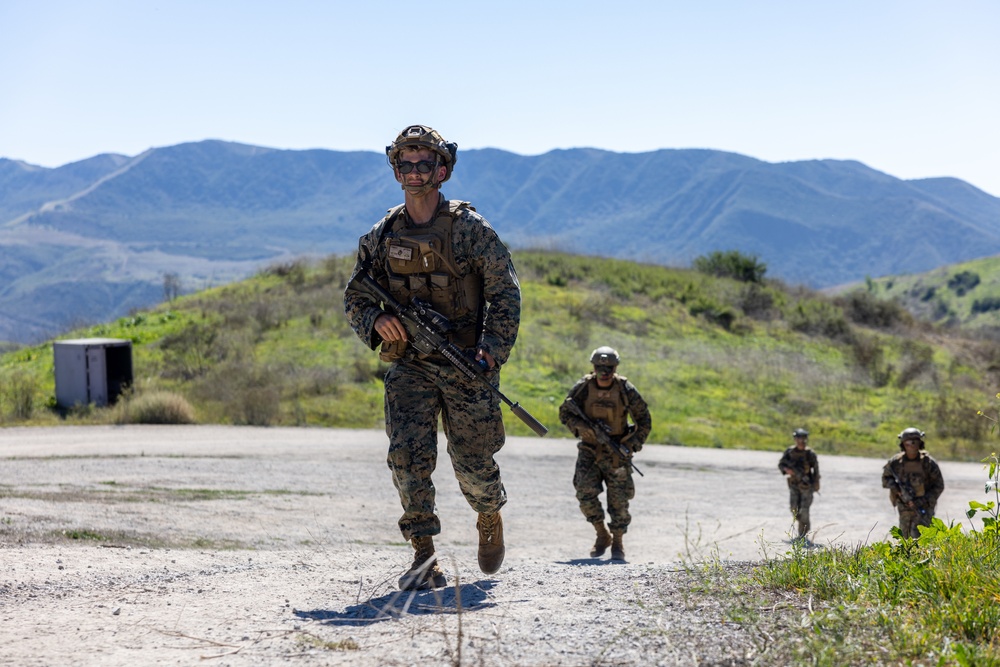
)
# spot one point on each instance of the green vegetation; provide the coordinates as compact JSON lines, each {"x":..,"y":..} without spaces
{"x":966,"y":294}
{"x":732,"y":264}
{"x":927,"y":601}
{"x":723,"y":362}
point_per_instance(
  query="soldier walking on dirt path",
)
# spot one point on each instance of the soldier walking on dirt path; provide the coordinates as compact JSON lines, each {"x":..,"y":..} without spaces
{"x":914,"y":481}
{"x":444,"y":253}
{"x":800,"y":466}
{"x":606,"y":401}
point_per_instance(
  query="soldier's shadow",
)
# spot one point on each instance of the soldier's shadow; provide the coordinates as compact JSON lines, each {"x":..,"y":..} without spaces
{"x":467,"y":598}
{"x":591,"y":561}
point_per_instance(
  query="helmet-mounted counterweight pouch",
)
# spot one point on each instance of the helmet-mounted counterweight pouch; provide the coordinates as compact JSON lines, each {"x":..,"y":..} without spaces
{"x":421,"y":136}
{"x":910,"y":434}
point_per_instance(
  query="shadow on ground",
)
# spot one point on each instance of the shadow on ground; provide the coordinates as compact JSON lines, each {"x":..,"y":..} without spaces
{"x":448,"y":600}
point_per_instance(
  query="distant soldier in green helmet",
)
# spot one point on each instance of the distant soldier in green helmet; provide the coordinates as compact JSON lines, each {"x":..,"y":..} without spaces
{"x":607,"y":401}
{"x":914,"y":481}
{"x":800,"y":466}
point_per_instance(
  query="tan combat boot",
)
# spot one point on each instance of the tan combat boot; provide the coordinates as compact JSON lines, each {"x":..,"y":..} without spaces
{"x":425,"y":572}
{"x":603,"y":540}
{"x":617,"y":550}
{"x":491,"y":548}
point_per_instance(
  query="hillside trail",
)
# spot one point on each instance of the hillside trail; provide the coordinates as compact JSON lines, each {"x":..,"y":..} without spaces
{"x":252,"y":546}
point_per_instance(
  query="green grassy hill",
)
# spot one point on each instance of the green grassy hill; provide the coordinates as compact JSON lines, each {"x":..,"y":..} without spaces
{"x":722,"y":363}
{"x":966,"y":294}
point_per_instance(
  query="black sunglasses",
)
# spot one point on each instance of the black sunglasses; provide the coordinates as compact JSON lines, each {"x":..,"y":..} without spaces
{"x":423,"y":167}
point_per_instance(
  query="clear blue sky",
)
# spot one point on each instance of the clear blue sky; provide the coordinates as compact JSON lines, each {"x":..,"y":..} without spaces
{"x":909,"y":87}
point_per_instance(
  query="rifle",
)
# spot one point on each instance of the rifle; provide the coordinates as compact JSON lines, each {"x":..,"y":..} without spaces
{"x":427,"y":331}
{"x":906,"y":491}
{"x":798,"y":473}
{"x":601,"y":431}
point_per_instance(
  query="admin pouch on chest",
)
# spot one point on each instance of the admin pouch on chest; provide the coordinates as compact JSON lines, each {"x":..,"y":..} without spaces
{"x":420,"y":264}
{"x":913,"y":473}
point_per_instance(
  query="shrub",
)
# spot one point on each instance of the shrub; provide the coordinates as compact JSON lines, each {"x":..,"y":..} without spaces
{"x":963,"y":282}
{"x":869,"y":355}
{"x":868,"y":310}
{"x":819,"y":318}
{"x":18,"y":394}
{"x":156,"y":407}
{"x":732,"y":264}
{"x":986,"y":304}
{"x":757,"y":302}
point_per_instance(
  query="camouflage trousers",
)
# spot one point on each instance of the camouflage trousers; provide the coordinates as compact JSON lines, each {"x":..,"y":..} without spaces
{"x":911,"y":520}
{"x":800,"y":500}
{"x":592,"y":474}
{"x":417,"y":393}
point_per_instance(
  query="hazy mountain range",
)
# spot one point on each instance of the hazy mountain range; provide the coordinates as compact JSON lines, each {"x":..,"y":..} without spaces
{"x":87,"y":241}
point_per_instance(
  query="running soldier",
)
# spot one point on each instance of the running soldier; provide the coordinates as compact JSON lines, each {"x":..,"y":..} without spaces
{"x":914,"y":481}
{"x":605,"y":400}
{"x":800,"y":467}
{"x":444,"y":253}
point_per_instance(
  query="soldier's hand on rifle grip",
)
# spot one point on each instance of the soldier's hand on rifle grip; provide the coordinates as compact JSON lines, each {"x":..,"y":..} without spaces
{"x":482,"y":356}
{"x":390,"y":328}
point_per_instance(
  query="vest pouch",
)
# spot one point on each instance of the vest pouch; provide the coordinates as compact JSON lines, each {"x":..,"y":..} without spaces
{"x":442,"y":294}
{"x":414,"y":254}
{"x":393,"y":351}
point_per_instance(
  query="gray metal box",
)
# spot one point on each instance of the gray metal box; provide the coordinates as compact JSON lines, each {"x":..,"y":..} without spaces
{"x":91,"y":370}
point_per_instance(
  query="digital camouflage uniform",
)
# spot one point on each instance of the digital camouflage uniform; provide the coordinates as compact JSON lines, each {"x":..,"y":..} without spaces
{"x":597,"y":465}
{"x":419,"y":390}
{"x":803,"y":481}
{"x":919,"y":479}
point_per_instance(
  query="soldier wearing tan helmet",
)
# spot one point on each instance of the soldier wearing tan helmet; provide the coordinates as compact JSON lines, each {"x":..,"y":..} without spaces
{"x":444,"y":253}
{"x":914,"y":481}
{"x":607,"y":401}
{"x":800,"y":466}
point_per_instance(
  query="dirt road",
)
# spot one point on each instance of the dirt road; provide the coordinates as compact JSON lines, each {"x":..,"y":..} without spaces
{"x":171,"y":545}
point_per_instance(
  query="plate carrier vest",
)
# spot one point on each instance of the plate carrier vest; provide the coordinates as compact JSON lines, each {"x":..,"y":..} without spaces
{"x":420,"y":263}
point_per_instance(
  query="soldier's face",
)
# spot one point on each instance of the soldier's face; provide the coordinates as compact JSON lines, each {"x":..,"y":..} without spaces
{"x":912,"y":448}
{"x":800,"y":442}
{"x":605,"y":375}
{"x":415,"y":157}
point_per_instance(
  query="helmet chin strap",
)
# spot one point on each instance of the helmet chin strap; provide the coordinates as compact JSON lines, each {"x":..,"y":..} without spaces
{"x":418,"y":190}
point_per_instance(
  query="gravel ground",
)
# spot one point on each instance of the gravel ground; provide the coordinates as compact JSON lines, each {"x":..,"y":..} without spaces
{"x":242,"y":546}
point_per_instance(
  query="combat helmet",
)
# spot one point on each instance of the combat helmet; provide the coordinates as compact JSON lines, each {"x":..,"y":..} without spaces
{"x":421,"y":136}
{"x":910,"y":434}
{"x":800,"y":433}
{"x":604,"y":356}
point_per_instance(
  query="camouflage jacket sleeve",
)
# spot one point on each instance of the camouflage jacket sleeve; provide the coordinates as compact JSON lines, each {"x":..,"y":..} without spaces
{"x":814,"y":463}
{"x":640,"y":415}
{"x":361,"y":307}
{"x":888,"y":478}
{"x":570,"y":419}
{"x":934,"y":486}
{"x":478,"y":247}
{"x":786,"y":461}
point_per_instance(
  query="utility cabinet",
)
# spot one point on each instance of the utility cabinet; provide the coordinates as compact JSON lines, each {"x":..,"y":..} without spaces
{"x":91,"y":370}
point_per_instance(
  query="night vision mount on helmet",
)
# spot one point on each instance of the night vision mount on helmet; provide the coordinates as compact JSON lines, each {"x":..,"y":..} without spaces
{"x":911,"y":434}
{"x":604,"y":356}
{"x":421,"y":136}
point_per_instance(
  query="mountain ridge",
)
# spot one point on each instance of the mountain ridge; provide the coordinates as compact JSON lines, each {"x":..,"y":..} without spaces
{"x":239,"y":207}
